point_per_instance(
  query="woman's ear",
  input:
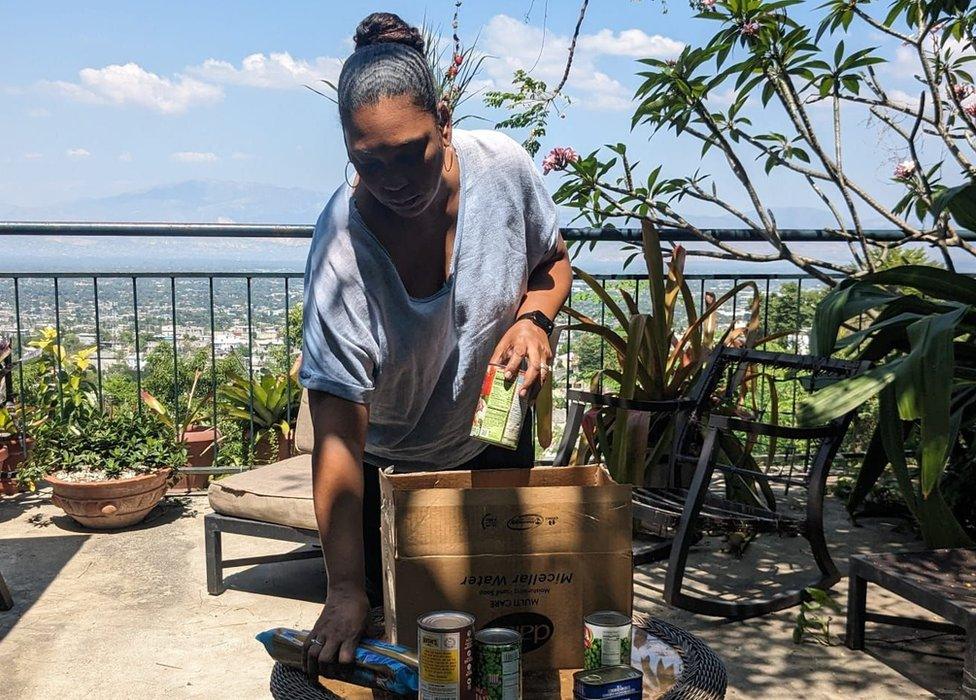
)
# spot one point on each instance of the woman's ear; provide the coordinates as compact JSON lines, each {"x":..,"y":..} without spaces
{"x":444,"y":121}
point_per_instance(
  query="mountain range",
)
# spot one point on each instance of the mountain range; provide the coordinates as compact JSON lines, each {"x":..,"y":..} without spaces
{"x":202,"y":201}
{"x":219,"y":201}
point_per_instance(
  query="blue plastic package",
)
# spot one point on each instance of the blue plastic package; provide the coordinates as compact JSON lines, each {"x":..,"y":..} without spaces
{"x":378,"y":664}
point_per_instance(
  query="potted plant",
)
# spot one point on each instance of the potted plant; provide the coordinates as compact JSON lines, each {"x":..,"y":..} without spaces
{"x":12,"y":445}
{"x":658,"y":361}
{"x":63,"y":388}
{"x":266,"y":402}
{"x":108,"y":471}
{"x":188,"y":426}
{"x":5,"y":480}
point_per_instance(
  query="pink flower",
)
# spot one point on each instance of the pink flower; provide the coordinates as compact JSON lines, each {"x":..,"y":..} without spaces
{"x":707,"y":4}
{"x":962,"y":91}
{"x":558,"y":159}
{"x":458,"y":59}
{"x":749,"y":28}
{"x":904,"y":170}
{"x":452,"y":72}
{"x":970,"y":110}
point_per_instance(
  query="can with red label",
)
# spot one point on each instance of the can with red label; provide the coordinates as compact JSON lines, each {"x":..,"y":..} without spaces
{"x":500,"y":412}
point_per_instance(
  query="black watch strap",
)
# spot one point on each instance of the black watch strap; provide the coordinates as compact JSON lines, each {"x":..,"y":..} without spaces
{"x":539,"y":319}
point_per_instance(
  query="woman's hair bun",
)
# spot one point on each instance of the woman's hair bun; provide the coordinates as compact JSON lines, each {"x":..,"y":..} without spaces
{"x":387,"y":28}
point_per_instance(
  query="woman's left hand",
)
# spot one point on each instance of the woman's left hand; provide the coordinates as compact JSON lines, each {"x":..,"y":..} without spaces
{"x":525,"y":340}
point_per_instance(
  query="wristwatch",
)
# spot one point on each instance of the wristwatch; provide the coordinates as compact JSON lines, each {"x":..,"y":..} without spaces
{"x":539,"y":319}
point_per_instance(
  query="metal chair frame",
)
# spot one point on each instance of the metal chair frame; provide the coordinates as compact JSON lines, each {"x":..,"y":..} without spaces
{"x":810,"y":526}
{"x":676,"y":508}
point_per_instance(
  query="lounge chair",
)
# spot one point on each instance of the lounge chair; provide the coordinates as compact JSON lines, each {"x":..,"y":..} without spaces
{"x":273,"y":502}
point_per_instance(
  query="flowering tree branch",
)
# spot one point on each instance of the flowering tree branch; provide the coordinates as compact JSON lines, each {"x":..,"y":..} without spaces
{"x":776,"y":59}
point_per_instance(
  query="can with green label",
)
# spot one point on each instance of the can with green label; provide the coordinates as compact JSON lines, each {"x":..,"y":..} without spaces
{"x":606,"y":639}
{"x":500,"y":412}
{"x":498,"y":664}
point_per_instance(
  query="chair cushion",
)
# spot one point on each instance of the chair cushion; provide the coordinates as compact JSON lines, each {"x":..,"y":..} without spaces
{"x":277,"y":493}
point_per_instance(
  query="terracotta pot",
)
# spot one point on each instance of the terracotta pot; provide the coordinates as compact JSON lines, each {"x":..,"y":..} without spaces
{"x":264,"y":450}
{"x":200,"y":453}
{"x":8,"y":472}
{"x":111,"y":504}
{"x":7,"y":486}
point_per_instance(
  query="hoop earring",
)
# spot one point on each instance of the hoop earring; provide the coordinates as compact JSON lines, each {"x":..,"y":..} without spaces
{"x":346,"y":174}
{"x":452,"y":159}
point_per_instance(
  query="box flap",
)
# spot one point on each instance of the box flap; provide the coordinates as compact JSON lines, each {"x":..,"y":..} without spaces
{"x":542,"y":510}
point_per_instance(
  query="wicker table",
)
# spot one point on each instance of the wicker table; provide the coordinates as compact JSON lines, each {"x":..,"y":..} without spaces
{"x":702,"y":675}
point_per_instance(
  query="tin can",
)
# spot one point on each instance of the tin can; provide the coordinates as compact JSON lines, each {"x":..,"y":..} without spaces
{"x":500,"y":412}
{"x":445,"y":652}
{"x":610,"y":683}
{"x":606,"y":639}
{"x":498,"y":664}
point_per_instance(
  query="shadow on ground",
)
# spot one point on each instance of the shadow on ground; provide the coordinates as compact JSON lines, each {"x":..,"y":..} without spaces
{"x":298,"y":580}
{"x":759,"y":654}
{"x":29,"y":565}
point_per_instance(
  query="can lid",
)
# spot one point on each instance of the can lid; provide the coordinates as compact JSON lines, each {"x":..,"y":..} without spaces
{"x":607,"y":618}
{"x":446,"y":620}
{"x":607,"y":674}
{"x":498,"y":636}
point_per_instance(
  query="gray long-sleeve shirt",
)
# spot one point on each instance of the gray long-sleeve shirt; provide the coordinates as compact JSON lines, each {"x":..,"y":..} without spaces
{"x":419,"y":363}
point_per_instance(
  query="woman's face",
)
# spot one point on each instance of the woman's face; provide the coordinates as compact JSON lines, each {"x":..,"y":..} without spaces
{"x":397,"y":149}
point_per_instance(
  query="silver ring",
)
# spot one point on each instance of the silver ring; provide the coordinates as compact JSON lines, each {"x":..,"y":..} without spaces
{"x":319,"y":642}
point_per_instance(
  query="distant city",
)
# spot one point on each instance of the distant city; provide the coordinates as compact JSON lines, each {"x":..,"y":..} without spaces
{"x":116,"y":317}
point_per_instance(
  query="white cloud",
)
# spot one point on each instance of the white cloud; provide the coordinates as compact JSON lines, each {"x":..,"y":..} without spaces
{"x":77,"y":153}
{"x":240,"y":155}
{"x":901,"y":97}
{"x":38,"y":113}
{"x":125,"y":157}
{"x":275,"y":70}
{"x":131,"y":84}
{"x":907,"y":64}
{"x":515,"y":44}
{"x":33,"y":156}
{"x":225,"y":220}
{"x":629,"y":42}
{"x":194,"y":157}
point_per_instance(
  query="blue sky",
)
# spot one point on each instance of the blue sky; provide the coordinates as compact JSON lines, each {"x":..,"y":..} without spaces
{"x":123,"y":96}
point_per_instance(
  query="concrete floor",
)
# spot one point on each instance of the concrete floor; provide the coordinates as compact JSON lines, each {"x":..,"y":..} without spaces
{"x":126,"y":614}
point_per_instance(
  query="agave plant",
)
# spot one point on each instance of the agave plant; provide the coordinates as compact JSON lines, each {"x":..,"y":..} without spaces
{"x":659,"y":361}
{"x":268,"y":400}
{"x":921,"y":334}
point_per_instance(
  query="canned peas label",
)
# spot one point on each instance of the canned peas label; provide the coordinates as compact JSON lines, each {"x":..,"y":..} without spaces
{"x":498,"y":672}
{"x":605,"y":646}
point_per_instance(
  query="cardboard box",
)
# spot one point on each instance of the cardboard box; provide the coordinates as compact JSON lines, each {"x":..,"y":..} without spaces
{"x":530,"y":549}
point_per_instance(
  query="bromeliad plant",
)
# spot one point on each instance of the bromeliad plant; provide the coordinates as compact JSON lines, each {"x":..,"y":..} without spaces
{"x":194,"y":413}
{"x":922,"y":334}
{"x":659,"y":361}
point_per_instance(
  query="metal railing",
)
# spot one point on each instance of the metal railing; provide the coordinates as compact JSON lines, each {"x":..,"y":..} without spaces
{"x":22,"y":302}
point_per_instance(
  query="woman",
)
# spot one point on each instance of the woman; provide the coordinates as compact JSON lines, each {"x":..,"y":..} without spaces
{"x":442,"y":255}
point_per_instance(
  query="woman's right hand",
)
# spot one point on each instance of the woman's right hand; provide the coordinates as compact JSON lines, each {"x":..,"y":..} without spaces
{"x":337,"y":631}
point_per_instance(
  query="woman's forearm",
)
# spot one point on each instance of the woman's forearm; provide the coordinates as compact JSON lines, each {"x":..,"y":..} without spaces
{"x":549,"y":285}
{"x":337,"y":486}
